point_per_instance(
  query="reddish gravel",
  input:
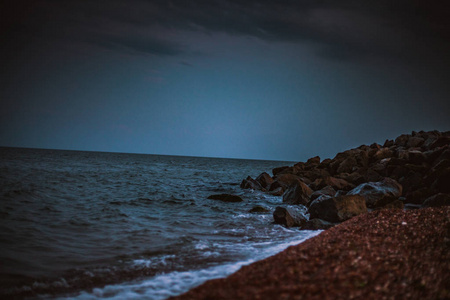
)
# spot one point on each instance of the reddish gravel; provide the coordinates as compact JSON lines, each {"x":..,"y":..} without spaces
{"x":387,"y":254}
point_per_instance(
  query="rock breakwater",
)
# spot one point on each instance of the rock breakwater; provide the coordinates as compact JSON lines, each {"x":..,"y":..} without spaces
{"x":410,"y":171}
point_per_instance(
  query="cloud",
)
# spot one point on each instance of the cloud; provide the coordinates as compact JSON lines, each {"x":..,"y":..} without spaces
{"x":343,"y":29}
{"x":145,"y":45}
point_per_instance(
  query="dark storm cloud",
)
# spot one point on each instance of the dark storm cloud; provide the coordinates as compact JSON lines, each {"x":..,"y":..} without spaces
{"x":340,"y":29}
{"x":148,"y":45}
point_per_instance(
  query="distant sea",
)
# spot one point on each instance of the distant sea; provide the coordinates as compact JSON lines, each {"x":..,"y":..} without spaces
{"x":95,"y":225}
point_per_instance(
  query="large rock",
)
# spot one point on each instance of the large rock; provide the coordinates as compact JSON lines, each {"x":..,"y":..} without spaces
{"x":264,"y":180}
{"x":226,"y":198}
{"x":335,"y":183}
{"x":317,"y":224}
{"x":373,"y":191}
{"x":285,"y":180}
{"x":437,"y":200}
{"x":440,"y":141}
{"x":414,"y":141}
{"x":337,"y":209}
{"x":250,"y":183}
{"x":416,"y":157}
{"x":383,"y":153}
{"x":328,"y":190}
{"x":297,"y":193}
{"x":259,"y":209}
{"x":277,"y":170}
{"x":348,"y":165}
{"x":442,"y":183}
{"x":289,"y":216}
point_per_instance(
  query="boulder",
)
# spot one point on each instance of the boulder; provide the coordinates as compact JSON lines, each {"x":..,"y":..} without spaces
{"x":317,"y":224}
{"x":401,"y":140}
{"x":388,"y":143}
{"x":226,"y":198}
{"x":285,"y":180}
{"x":337,"y":209}
{"x":437,"y":200}
{"x":250,"y":183}
{"x":275,"y":171}
{"x":328,"y":190}
{"x":383,"y":153}
{"x":418,"y":196}
{"x":289,"y":216}
{"x":348,"y":165}
{"x":373,"y":191}
{"x":414,"y":141}
{"x":440,"y":142}
{"x":314,"y":174}
{"x":354,"y":178}
{"x":416,"y":157}
{"x":297,"y":193}
{"x":437,"y":171}
{"x":277,"y":191}
{"x":372,"y":175}
{"x":313,"y":161}
{"x":335,"y":183}
{"x":442,"y":183}
{"x":264,"y":180}
{"x":259,"y":209}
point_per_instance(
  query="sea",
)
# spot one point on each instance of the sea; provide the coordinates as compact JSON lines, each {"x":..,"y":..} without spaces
{"x":98,"y":225}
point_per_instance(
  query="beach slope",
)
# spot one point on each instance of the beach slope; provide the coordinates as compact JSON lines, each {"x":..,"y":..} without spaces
{"x":385,"y":254}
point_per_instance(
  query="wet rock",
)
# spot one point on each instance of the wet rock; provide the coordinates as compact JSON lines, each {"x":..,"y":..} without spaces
{"x":277,"y":191}
{"x":314,"y":174}
{"x":388,"y":143}
{"x":414,"y":141}
{"x":373,"y":191}
{"x":437,"y":171}
{"x":416,"y":157}
{"x":250,"y":183}
{"x":317,"y":224}
{"x":275,"y":171}
{"x":328,"y":190}
{"x":348,"y":165}
{"x":289,"y":216}
{"x":337,"y":209}
{"x":313,"y":160}
{"x":354,"y":178}
{"x":440,"y":141}
{"x":418,"y":196}
{"x":442,"y":183}
{"x":383,"y":153}
{"x":335,"y":183}
{"x":226,"y":198}
{"x":297,"y":193}
{"x":325,"y":163}
{"x":401,"y":140}
{"x":437,"y":200}
{"x":264,"y":180}
{"x":285,"y":180}
{"x":372,"y":175}
{"x":259,"y":209}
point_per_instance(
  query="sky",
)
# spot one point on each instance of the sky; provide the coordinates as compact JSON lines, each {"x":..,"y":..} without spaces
{"x":276,"y":80}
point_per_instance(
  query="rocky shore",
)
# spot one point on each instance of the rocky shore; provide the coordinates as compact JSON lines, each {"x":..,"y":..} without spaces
{"x":409,"y":172}
{"x":386,"y":208}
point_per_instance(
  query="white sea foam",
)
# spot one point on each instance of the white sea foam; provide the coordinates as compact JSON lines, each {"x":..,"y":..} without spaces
{"x":174,"y":283}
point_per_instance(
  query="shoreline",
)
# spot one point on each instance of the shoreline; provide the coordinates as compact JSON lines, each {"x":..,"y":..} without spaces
{"x":383,"y":254}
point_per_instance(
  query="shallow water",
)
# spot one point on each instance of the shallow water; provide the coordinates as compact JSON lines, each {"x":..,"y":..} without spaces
{"x":109,"y":225}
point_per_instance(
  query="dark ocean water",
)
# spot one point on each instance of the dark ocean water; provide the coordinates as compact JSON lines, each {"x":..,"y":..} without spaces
{"x":90,"y":225}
